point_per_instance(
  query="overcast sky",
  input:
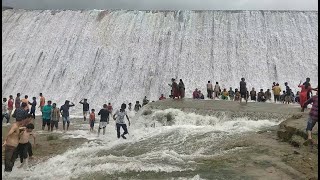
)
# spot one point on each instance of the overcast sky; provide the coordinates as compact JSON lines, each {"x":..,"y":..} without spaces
{"x":166,"y":4}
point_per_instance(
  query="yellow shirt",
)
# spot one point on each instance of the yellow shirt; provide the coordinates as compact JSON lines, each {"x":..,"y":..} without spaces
{"x":276,"y":90}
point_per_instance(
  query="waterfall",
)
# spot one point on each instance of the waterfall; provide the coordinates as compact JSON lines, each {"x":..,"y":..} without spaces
{"x":121,"y":56}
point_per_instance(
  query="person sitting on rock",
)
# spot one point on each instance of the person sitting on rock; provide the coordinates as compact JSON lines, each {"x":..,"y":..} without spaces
{"x":195,"y":94}
{"x":261,"y":96}
{"x":268,"y":95}
{"x":162,"y":97}
{"x":253,"y":95}
{"x":145,"y":101}
{"x":231,"y":94}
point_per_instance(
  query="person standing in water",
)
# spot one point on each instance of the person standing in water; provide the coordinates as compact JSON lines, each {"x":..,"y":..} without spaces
{"x":92,"y":119}
{"x":104,"y":119}
{"x":276,"y":92}
{"x":24,"y":144}
{"x":209,"y":90}
{"x":130,"y":106}
{"x":253,"y":95}
{"x":10,"y":106}
{"x":55,"y":116}
{"x":25,"y":100}
{"x":33,"y":107}
{"x":137,"y":106}
{"x":17,"y":101}
{"x":11,"y":142}
{"x":120,"y":122}
{"x":5,"y":110}
{"x":216,"y":90}
{"x":181,"y":89}
{"x":42,"y":102}
{"x":64,"y":109}
{"x":46,"y":115}
{"x":85,"y":108}
{"x":175,"y":89}
{"x":243,"y":90}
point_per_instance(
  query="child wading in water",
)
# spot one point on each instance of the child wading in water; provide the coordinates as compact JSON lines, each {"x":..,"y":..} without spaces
{"x":92,"y":119}
{"x":24,"y":148}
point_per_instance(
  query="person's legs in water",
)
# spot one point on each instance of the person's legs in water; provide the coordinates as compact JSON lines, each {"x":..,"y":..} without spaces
{"x":23,"y":153}
{"x":48,"y":124}
{"x":124,"y":127}
{"x":118,"y":130}
{"x":43,"y":123}
{"x":68,"y":122}
{"x":64,"y":123}
{"x":51,"y":125}
{"x":29,"y":149}
{"x":9,"y":157}
{"x":56,"y":124}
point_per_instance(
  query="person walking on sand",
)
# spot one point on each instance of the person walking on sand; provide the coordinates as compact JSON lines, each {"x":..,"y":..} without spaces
{"x":243,"y":90}
{"x":181,"y":89}
{"x":104,"y":119}
{"x":42,"y":102}
{"x":46,"y":115}
{"x":64,"y":109}
{"x":11,"y":142}
{"x":85,"y":108}
{"x":55,"y":116}
{"x":120,"y":122}
{"x":209,"y":90}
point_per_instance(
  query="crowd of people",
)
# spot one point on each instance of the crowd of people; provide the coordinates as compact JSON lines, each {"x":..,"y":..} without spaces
{"x":17,"y":141}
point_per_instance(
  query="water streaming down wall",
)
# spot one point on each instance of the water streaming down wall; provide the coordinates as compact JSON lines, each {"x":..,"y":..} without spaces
{"x":121,"y":56}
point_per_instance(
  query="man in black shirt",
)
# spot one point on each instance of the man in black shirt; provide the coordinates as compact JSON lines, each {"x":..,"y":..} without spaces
{"x":85,"y":108}
{"x":65,"y":113}
{"x":243,"y":90}
{"x":104,"y":119}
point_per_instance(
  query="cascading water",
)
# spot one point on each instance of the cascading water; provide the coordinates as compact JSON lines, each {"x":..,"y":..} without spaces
{"x":162,"y":151}
{"x":122,"y":56}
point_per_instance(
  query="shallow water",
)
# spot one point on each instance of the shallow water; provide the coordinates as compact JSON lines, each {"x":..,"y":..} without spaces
{"x":186,"y":147}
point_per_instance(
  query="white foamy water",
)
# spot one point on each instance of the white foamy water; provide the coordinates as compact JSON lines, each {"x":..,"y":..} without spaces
{"x":122,"y":56}
{"x":163,"y":148}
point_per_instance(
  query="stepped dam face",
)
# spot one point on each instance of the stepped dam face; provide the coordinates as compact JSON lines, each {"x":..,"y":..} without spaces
{"x":121,"y":56}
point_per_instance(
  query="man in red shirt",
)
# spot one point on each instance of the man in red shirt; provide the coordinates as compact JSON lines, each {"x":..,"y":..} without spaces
{"x":10,"y":105}
{"x":162,"y":97}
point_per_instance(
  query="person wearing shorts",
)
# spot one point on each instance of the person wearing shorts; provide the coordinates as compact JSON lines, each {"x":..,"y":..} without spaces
{"x":92,"y":119}
{"x":64,"y":110}
{"x":104,"y":119}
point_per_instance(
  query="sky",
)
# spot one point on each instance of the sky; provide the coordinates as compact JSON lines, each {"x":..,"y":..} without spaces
{"x":165,"y":4}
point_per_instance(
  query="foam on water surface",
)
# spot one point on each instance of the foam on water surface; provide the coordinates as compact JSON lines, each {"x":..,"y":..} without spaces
{"x":163,"y":148}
